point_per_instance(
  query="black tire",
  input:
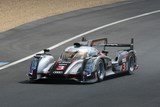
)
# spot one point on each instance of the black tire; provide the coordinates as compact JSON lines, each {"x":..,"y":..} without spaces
{"x":131,"y":64}
{"x":32,"y":81}
{"x":100,"y":70}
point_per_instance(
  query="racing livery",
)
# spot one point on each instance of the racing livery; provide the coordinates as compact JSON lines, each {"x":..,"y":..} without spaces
{"x":83,"y":62}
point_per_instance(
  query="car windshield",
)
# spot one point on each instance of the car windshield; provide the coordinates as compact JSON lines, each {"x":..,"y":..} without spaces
{"x":68,"y":56}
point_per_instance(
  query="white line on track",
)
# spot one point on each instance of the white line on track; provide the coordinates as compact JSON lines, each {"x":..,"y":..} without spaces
{"x":80,"y":35}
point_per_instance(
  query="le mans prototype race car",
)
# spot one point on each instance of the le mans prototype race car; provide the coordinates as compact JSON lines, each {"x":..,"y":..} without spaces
{"x":83,"y":62}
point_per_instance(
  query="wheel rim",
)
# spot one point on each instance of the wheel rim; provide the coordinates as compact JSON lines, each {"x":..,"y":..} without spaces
{"x":131,"y":68}
{"x":101,"y":71}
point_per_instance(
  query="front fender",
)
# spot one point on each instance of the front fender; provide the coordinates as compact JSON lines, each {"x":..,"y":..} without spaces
{"x":75,"y":67}
{"x":40,"y":64}
{"x":90,"y":64}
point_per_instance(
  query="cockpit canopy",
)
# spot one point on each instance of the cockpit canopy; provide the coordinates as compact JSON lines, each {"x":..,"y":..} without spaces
{"x":74,"y":53}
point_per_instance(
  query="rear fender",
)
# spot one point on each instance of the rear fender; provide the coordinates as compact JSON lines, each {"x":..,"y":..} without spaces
{"x":123,"y":59}
{"x":120,"y":62}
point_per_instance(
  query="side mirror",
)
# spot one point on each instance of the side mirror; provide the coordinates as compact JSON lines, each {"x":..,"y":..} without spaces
{"x":46,"y":50}
{"x":83,"y":39}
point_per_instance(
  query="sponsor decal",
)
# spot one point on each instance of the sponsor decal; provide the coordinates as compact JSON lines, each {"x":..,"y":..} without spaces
{"x":124,"y":60}
{"x":62,"y":64}
{"x":60,"y":67}
{"x":123,"y":67}
{"x":57,"y":72}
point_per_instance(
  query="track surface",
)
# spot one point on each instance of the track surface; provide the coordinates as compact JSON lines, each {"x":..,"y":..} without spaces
{"x":138,"y":90}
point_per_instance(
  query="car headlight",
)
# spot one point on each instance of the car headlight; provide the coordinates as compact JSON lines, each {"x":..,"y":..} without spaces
{"x":34,"y":64}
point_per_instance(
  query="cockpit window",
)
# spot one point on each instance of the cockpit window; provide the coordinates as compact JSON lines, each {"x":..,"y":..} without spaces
{"x":93,"y":52}
{"x":68,"y":56}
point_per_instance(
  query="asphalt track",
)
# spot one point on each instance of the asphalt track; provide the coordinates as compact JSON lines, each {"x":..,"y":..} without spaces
{"x":139,"y":90}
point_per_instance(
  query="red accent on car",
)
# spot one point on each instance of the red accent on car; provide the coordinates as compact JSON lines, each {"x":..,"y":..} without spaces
{"x":60,"y":68}
{"x":123,"y":67}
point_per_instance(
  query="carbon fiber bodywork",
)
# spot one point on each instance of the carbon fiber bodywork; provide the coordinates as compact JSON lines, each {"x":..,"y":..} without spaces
{"x":84,"y":63}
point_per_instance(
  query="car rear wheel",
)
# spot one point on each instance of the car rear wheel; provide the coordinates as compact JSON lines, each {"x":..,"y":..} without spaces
{"x":131,"y":65}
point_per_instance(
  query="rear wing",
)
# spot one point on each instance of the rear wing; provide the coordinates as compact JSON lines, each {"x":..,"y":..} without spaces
{"x":103,"y":42}
{"x":130,"y":45}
